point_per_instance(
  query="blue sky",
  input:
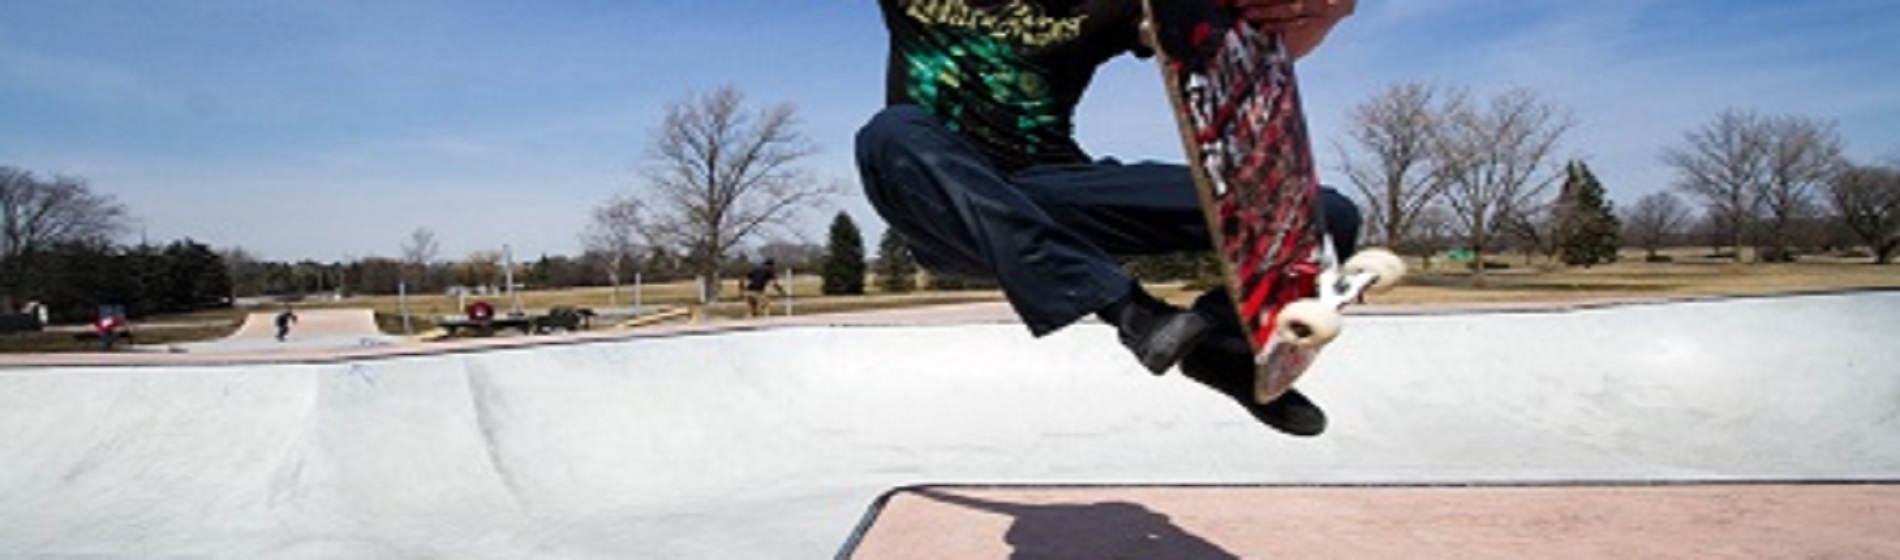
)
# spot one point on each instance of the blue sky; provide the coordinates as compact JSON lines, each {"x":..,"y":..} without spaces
{"x":330,"y":130}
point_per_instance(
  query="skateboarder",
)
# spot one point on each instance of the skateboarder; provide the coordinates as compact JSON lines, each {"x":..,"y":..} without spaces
{"x":973,"y":159}
{"x":284,"y":321}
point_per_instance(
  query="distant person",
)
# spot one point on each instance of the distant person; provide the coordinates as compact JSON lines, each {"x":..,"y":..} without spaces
{"x":482,"y":314}
{"x":284,"y":321}
{"x":108,"y":328}
{"x":480,"y":311}
{"x":757,"y":302}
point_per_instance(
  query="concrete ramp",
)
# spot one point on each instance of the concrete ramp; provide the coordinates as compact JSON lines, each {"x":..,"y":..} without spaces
{"x":314,"y":329}
{"x":769,"y":442}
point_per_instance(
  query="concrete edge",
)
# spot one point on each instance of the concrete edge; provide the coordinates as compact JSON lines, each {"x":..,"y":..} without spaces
{"x":938,"y":315}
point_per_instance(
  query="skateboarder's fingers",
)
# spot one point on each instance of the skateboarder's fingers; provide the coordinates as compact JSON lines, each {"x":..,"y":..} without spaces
{"x":1267,"y":12}
{"x":1280,"y":15}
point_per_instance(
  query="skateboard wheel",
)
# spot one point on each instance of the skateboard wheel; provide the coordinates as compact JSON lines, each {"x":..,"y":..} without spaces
{"x":1383,"y":264}
{"x":1308,"y":323}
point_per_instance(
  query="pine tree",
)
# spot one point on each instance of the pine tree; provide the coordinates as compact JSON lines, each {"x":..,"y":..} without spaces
{"x":844,"y":259}
{"x":896,"y":268}
{"x":1587,"y":224}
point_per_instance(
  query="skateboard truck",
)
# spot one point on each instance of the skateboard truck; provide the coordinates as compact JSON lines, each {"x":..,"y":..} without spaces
{"x":1314,"y":321}
{"x":1305,"y":325}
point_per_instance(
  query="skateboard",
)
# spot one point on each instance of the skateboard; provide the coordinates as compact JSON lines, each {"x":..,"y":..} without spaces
{"x":1237,"y":102}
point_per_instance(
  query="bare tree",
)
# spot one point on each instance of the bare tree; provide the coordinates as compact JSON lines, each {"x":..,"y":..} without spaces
{"x":1724,"y":164}
{"x":1655,"y":219}
{"x":618,"y":231}
{"x":482,"y":269}
{"x":1432,"y":232}
{"x":1498,"y":160}
{"x":35,"y":213}
{"x":419,"y":251}
{"x":721,"y":174}
{"x":1867,"y":201}
{"x":1394,"y":169}
{"x":421,"y":247}
{"x":1531,"y":228}
{"x":1803,"y":154}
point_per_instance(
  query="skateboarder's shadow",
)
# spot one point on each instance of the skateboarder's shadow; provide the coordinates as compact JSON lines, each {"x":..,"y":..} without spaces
{"x":1089,"y":531}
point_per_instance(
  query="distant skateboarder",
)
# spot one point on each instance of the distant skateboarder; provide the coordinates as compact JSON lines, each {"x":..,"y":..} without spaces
{"x":757,"y":302}
{"x":284,"y":321}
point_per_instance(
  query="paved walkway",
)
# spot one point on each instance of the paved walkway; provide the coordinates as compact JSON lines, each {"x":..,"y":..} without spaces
{"x":1584,"y":522}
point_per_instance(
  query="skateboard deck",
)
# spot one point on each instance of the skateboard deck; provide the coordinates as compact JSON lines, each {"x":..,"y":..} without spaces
{"x":1237,"y":102}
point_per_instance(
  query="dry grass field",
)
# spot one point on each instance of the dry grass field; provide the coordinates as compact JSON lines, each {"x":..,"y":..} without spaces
{"x":1441,"y":283}
{"x":1533,"y":281}
{"x":1633,"y":279}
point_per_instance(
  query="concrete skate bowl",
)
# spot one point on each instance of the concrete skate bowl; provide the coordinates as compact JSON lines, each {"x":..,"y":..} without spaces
{"x":772,"y":442}
{"x":314,"y":329}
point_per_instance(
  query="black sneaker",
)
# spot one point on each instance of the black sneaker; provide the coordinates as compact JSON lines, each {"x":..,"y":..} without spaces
{"x":1292,"y":413}
{"x":1231,"y":373}
{"x":1159,"y":334}
{"x":1224,"y":363}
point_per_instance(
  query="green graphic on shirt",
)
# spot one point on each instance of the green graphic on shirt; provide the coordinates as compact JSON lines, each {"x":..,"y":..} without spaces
{"x":1020,"y":22}
{"x":980,"y":85}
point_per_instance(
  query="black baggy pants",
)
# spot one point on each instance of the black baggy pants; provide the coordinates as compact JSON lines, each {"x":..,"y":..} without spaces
{"x":1048,"y":234}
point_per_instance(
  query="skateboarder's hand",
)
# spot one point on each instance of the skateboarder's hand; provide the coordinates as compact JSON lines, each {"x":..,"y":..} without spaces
{"x":1287,"y":15}
{"x":1303,"y":22}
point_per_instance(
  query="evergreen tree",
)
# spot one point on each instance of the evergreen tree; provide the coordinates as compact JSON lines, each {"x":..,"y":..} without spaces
{"x":145,"y":265}
{"x":81,"y":275}
{"x":1587,"y":226}
{"x":844,"y":261}
{"x":195,"y":276}
{"x":896,"y":268}
{"x":951,"y":282}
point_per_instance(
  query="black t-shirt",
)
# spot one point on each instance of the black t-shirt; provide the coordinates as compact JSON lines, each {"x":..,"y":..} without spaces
{"x":759,"y":278}
{"x":1006,"y":74}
